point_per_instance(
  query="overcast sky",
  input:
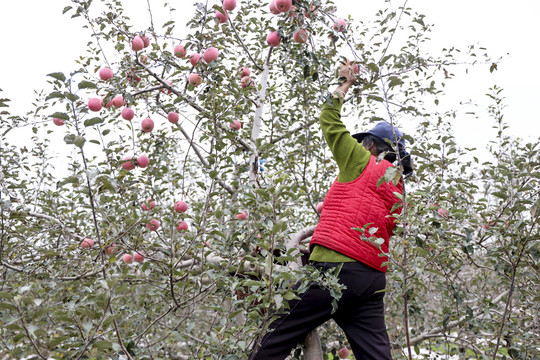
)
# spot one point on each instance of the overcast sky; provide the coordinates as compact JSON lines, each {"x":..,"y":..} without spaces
{"x":38,"y":39}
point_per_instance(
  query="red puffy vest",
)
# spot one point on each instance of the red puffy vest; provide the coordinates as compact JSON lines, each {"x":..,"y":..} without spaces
{"x":353,"y":205}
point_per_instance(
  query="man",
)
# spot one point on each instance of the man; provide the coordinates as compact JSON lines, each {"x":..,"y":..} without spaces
{"x":353,"y":206}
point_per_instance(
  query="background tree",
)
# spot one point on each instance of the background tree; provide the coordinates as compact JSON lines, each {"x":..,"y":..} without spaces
{"x":463,"y":275}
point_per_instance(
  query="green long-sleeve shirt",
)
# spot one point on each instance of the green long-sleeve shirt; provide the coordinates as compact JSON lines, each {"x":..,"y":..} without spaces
{"x":351,"y":157}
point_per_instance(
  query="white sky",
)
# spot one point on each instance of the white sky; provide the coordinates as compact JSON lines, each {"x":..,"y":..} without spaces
{"x":38,"y":39}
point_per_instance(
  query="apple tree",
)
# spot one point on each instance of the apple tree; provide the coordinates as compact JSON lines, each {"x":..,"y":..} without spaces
{"x":167,"y":186}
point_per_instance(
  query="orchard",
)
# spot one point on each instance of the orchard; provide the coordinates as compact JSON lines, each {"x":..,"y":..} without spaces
{"x":193,"y":172}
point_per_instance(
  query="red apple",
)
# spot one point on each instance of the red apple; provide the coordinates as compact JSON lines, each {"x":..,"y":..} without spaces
{"x":301,"y":36}
{"x":273,"y":9}
{"x":244,"y":71}
{"x":147,"y":125}
{"x":194,"y":58}
{"x":137,"y":43}
{"x":108,"y":104}
{"x":128,"y":114}
{"x":283,"y":5}
{"x":138,"y":257}
{"x":222,"y":16}
{"x":132,"y":77}
{"x":127,"y":258}
{"x":58,"y":122}
{"x":210,"y":54}
{"x":146,"y":40}
{"x":143,"y":59}
{"x":182,"y":225}
{"x":195,"y":79}
{"x":179,"y":51}
{"x":153,"y":225}
{"x":343,"y":353}
{"x":241,"y":216}
{"x":246,"y":82}
{"x":356,"y":68}
{"x":87,"y":243}
{"x":118,"y":101}
{"x":340,"y":25}
{"x":442,"y":212}
{"x":128,"y":163}
{"x":143,"y":161}
{"x":229,"y":5}
{"x":173,"y":117}
{"x":110,"y":249}
{"x":320,"y":207}
{"x":95,"y":104}
{"x":235,"y":125}
{"x":273,"y":39}
{"x":148,"y":205}
{"x":180,"y":206}
{"x":105,"y":74}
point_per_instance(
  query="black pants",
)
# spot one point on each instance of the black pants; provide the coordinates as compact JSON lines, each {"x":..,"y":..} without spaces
{"x":360,"y":314}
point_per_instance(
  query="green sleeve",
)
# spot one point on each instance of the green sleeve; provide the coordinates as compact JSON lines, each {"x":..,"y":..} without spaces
{"x":351,"y":157}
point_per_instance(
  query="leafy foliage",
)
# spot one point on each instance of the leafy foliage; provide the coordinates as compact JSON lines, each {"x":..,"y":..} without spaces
{"x":464,"y":270}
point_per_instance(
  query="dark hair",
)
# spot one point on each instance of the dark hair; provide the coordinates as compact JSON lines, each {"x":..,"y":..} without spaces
{"x":383,"y":146}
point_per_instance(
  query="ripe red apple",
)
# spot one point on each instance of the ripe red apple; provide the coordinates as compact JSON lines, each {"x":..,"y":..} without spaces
{"x":137,"y":43}
{"x":108,"y":104}
{"x":180,"y":206}
{"x":194,"y":58}
{"x":244,"y":71}
{"x":143,"y":59}
{"x":148,"y":205}
{"x":195,"y":79}
{"x":319,"y":207}
{"x":301,"y":36}
{"x":95,"y":104}
{"x":147,"y":125}
{"x":138,"y":257}
{"x":222,"y":16}
{"x":127,"y":258}
{"x":132,"y":77}
{"x":128,"y":163}
{"x":246,"y":82}
{"x":273,"y":9}
{"x":356,"y":68}
{"x":235,"y":125}
{"x":343,"y":353}
{"x":153,"y":225}
{"x":442,"y":212}
{"x":179,"y":51}
{"x":273,"y":39}
{"x":128,"y":114}
{"x":241,"y":216}
{"x":182,"y":225}
{"x":173,"y":117}
{"x":118,"y":101}
{"x":340,"y":25}
{"x":58,"y":122}
{"x":87,"y":243}
{"x":105,"y":74}
{"x":210,"y":54}
{"x":229,"y":5}
{"x":146,"y":40}
{"x":143,"y":161}
{"x":283,"y":5}
{"x":110,"y":249}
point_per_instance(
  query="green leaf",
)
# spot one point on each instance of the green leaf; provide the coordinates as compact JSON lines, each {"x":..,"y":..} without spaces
{"x":87,"y":85}
{"x":93,"y":121}
{"x":60,"y":115}
{"x":69,"y":180}
{"x":55,"y":95}
{"x":58,"y":76}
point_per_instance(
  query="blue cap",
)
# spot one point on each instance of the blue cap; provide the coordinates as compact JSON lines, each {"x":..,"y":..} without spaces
{"x":383,"y":130}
